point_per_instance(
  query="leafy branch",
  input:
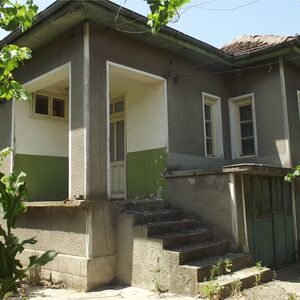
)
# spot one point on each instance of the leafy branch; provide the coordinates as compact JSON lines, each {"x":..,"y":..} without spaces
{"x":162,"y":12}
{"x":14,"y":16}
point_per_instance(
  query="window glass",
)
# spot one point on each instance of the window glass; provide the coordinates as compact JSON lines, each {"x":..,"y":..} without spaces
{"x":58,"y":108}
{"x":207,"y":109}
{"x":119,"y":106}
{"x":120,"y":141}
{"x":246,"y":130}
{"x":112,"y":142}
{"x":41,"y":105}
{"x":111,"y":108}
{"x":246,"y":112}
{"x":209,"y":139}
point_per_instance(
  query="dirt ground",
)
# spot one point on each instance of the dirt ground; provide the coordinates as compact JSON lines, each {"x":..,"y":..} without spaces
{"x":286,"y":286}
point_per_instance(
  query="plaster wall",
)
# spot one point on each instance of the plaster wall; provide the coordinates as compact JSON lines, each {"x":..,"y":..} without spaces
{"x":37,"y":136}
{"x":271,"y":139}
{"x":292,"y":83}
{"x":67,"y":48}
{"x":208,"y":198}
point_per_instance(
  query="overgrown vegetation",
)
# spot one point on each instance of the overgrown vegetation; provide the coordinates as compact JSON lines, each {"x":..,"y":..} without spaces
{"x":212,"y":290}
{"x":156,"y":278}
{"x":13,"y":192}
{"x":259,"y":267}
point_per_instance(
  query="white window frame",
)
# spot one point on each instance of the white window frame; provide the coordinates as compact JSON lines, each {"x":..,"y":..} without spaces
{"x":298,"y":100}
{"x":50,"y":107}
{"x":235,"y":130}
{"x":216,"y":121}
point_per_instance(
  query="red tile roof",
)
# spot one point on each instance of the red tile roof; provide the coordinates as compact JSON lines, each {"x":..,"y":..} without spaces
{"x":246,"y":44}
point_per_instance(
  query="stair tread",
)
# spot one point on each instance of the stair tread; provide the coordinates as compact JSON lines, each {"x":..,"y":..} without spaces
{"x":201,"y":263}
{"x":168,"y":222}
{"x":183,"y":233}
{"x":153,"y":212}
{"x":196,"y":246}
{"x":238,"y":275}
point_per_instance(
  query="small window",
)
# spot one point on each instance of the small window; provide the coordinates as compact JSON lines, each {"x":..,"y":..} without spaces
{"x":212,"y":126}
{"x":41,"y":106}
{"x":58,"y":108}
{"x":48,"y":106}
{"x":242,"y":126}
{"x":246,"y":130}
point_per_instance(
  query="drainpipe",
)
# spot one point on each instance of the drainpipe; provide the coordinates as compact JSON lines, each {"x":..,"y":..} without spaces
{"x":285,"y":113}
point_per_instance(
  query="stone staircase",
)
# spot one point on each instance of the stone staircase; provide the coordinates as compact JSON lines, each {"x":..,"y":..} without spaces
{"x":173,"y":252}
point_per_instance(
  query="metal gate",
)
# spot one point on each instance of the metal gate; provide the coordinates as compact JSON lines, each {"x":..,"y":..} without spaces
{"x":269,"y":216}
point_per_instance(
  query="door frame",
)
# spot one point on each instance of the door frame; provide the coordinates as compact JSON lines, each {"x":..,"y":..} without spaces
{"x":122,"y":116}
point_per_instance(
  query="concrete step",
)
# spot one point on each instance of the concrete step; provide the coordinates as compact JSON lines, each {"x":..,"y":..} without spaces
{"x":142,"y":205}
{"x":157,"y":216}
{"x":197,"y":251}
{"x":203,"y":266}
{"x":242,"y":279}
{"x":171,"y":240}
{"x":167,"y":227}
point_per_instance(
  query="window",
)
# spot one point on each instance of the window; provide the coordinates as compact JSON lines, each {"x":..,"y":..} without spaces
{"x":49,"y":106}
{"x":242,"y":126}
{"x":212,"y":125}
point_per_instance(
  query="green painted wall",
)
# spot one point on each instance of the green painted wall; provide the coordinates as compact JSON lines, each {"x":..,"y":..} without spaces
{"x":145,"y":173}
{"x":47,"y":176}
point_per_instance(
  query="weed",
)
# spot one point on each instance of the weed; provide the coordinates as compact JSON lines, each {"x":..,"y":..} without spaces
{"x":211,"y":291}
{"x":236,"y":287}
{"x":228,"y":265}
{"x":259,"y":267}
{"x":158,"y":287}
{"x":292,"y":297}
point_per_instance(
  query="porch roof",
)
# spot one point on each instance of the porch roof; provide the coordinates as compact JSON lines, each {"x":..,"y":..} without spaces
{"x":63,"y":15}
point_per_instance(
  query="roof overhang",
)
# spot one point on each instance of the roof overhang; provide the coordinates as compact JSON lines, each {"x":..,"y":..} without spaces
{"x":64,"y":15}
{"x":61,"y":16}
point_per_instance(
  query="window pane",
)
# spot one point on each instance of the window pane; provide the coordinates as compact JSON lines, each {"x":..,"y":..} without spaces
{"x":58,"y":109}
{"x":207,"y":112}
{"x":112,"y":142}
{"x":41,"y":105}
{"x":208,"y":129}
{"x":247,"y":129}
{"x":120,"y":141}
{"x":111,"y":108}
{"x":209,"y":147}
{"x":119,"y":106}
{"x":246,"y":113}
{"x":248,"y":146}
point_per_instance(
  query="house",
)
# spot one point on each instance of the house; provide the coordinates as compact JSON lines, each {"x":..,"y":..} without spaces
{"x":131,"y":139}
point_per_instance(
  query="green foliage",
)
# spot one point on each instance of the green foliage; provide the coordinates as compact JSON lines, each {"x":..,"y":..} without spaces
{"x":162,"y":12}
{"x":14,"y":16}
{"x":211,"y":290}
{"x":293,"y":174}
{"x":228,"y":265}
{"x":13,"y":192}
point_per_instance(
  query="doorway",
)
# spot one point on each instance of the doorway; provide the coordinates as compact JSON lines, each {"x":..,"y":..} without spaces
{"x":117,"y":148}
{"x":269,"y":216}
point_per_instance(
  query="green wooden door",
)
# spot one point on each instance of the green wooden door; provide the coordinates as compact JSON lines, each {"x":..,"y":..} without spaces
{"x":269,"y":220}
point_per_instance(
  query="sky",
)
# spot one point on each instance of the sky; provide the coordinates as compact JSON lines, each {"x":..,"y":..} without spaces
{"x":219,"y":21}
